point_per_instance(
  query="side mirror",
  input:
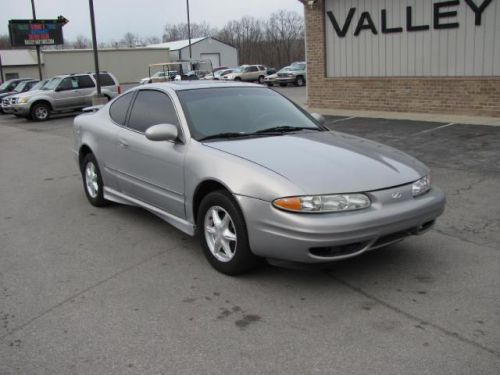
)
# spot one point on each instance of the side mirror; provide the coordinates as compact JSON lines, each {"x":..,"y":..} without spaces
{"x":319,"y":117}
{"x":162,"y":132}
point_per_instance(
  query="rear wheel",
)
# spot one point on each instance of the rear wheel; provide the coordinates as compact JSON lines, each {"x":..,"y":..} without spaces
{"x":299,"y":81}
{"x":40,"y":112}
{"x":223,"y":234}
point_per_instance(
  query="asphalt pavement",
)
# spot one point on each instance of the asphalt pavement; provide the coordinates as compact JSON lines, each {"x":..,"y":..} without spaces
{"x":116,"y":290}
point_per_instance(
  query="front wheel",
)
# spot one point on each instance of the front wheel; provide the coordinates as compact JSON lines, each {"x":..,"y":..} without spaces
{"x":299,"y":81}
{"x":223,"y":234}
{"x":40,"y":112}
{"x":92,"y":181}
{"x":261,"y":80}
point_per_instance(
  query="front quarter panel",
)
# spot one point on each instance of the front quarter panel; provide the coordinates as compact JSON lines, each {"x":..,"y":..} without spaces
{"x":238,"y":175}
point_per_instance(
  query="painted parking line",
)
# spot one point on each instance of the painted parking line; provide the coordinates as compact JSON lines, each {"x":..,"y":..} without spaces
{"x":431,"y":130}
{"x":342,"y":119}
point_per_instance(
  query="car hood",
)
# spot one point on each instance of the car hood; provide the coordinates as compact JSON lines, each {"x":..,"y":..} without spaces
{"x":328,"y":162}
{"x":27,"y":94}
{"x":7,"y":93}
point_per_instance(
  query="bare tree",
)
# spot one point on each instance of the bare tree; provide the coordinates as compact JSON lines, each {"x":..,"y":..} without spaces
{"x":81,"y":42}
{"x":129,"y":40}
{"x":151,"y":40}
{"x":180,"y":31}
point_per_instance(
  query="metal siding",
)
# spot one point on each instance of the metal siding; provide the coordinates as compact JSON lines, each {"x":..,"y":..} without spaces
{"x":469,"y":50}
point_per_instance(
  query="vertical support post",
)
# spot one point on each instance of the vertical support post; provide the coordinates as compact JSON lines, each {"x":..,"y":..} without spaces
{"x":38,"y":58}
{"x":189,"y":30}
{"x":1,"y":70}
{"x":94,"y":47}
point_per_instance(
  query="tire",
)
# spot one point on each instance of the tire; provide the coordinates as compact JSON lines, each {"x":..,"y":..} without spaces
{"x":40,"y":112}
{"x":299,"y":81}
{"x":261,"y":80}
{"x":237,"y":79}
{"x":92,"y":181}
{"x":231,"y":257}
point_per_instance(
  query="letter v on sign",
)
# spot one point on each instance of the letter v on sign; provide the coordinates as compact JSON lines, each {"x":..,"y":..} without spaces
{"x":341,"y":32}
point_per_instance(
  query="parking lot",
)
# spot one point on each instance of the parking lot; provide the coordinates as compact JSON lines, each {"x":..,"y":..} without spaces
{"x":118,"y":291}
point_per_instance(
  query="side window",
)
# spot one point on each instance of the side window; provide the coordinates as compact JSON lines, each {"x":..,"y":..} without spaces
{"x":106,"y":79}
{"x":68,"y":83}
{"x":118,"y":110}
{"x":85,"y":82}
{"x":261,"y":67}
{"x":252,"y":69}
{"x":151,"y":108}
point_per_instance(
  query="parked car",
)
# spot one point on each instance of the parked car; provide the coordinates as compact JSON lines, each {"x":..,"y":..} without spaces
{"x":296,"y":75}
{"x":163,"y":75}
{"x":271,"y":79}
{"x":23,"y":86}
{"x":64,"y":93}
{"x":270,"y":71}
{"x":11,"y":84}
{"x":9,"y":101}
{"x":247,"y":73}
{"x":273,"y":183}
{"x":218,"y":74}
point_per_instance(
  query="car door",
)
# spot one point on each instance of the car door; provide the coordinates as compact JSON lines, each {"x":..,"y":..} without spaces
{"x":252,"y":73}
{"x":86,"y":89}
{"x":66,"y":94}
{"x":152,"y":172}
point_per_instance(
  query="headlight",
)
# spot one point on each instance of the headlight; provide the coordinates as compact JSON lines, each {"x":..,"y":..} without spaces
{"x":23,"y":100}
{"x":421,"y":186}
{"x":323,"y":203}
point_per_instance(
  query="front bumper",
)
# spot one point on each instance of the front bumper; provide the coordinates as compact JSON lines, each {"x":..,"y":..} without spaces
{"x":285,"y":80}
{"x":21,"y":109}
{"x":317,"y":238}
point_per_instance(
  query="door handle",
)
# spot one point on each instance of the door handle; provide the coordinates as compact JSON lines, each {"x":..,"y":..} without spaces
{"x":123,"y":144}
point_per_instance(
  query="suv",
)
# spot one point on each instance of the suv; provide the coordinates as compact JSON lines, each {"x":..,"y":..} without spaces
{"x":64,"y":93}
{"x":248,"y":73}
{"x":296,"y":75}
{"x":11,"y":84}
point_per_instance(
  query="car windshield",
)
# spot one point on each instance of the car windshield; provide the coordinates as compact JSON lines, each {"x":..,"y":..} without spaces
{"x":285,"y":69}
{"x":244,"y":111}
{"x":298,"y":67}
{"x":52,"y":84}
{"x":38,"y":86}
{"x":20,"y":86}
{"x":4,"y":85}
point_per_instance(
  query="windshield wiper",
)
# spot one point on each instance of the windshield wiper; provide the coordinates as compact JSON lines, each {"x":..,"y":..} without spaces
{"x":224,"y":136}
{"x":284,"y":129}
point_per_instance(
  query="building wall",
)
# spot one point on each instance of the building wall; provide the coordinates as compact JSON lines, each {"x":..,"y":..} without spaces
{"x":462,"y":48}
{"x":457,"y":95}
{"x":24,"y":71}
{"x":228,"y":54}
{"x":128,"y":65}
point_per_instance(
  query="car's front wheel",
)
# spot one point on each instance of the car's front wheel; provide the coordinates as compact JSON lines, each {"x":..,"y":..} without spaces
{"x":92,"y":181}
{"x":261,"y":79}
{"x":40,"y":112}
{"x":223,"y":234}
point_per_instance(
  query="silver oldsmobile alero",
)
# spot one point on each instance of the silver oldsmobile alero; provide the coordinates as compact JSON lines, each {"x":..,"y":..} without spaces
{"x":252,"y":174}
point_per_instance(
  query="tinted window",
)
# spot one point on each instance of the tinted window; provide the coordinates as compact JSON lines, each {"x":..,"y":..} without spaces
{"x":69,"y":83}
{"x":151,"y":108}
{"x":252,"y":69}
{"x":118,"y":110}
{"x":85,"y":82}
{"x":105,"y":79}
{"x":261,"y":67}
{"x":227,"y":110}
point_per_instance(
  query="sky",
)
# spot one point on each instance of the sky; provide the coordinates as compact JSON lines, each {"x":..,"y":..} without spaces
{"x":114,"y":18}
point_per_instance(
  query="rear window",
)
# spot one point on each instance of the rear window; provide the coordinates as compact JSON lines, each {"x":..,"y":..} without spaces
{"x":118,"y":110}
{"x":105,"y":79}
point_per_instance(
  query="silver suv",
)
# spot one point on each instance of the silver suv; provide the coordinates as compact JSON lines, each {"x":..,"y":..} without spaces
{"x":247,"y":73}
{"x":69,"y":92}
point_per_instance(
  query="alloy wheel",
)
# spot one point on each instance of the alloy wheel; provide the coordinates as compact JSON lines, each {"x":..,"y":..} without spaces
{"x":91,"y":179}
{"x":220,"y":233}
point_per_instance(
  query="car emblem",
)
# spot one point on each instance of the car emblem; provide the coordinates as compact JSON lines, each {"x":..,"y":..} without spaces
{"x":397,"y":195}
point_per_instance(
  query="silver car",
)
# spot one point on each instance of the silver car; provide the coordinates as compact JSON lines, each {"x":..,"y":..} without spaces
{"x":271,"y":184}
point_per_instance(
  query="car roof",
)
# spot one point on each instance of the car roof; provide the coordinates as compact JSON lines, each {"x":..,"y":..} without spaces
{"x":197,"y":84}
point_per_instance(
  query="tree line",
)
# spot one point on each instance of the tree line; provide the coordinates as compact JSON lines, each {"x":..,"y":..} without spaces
{"x":276,"y":41}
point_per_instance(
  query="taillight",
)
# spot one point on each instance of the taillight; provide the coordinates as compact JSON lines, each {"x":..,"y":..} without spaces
{"x":119,"y":89}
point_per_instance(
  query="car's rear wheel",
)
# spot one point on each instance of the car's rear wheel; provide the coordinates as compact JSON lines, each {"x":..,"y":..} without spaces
{"x":40,"y":112}
{"x":92,"y":181}
{"x":223,"y":234}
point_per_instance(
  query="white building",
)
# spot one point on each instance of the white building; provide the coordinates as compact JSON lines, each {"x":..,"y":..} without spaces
{"x":205,"y":48}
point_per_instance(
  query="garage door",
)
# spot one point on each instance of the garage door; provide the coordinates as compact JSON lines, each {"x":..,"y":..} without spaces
{"x":214,"y":57}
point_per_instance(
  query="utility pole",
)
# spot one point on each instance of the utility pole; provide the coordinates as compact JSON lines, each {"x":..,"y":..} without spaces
{"x":94,"y":46}
{"x":37,"y":46}
{"x":189,"y":30}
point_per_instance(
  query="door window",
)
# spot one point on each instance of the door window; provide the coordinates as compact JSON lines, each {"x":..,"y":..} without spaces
{"x":152,"y":108}
{"x":68,"y":83}
{"x":252,"y":69}
{"x":118,"y":109}
{"x":85,"y":82}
